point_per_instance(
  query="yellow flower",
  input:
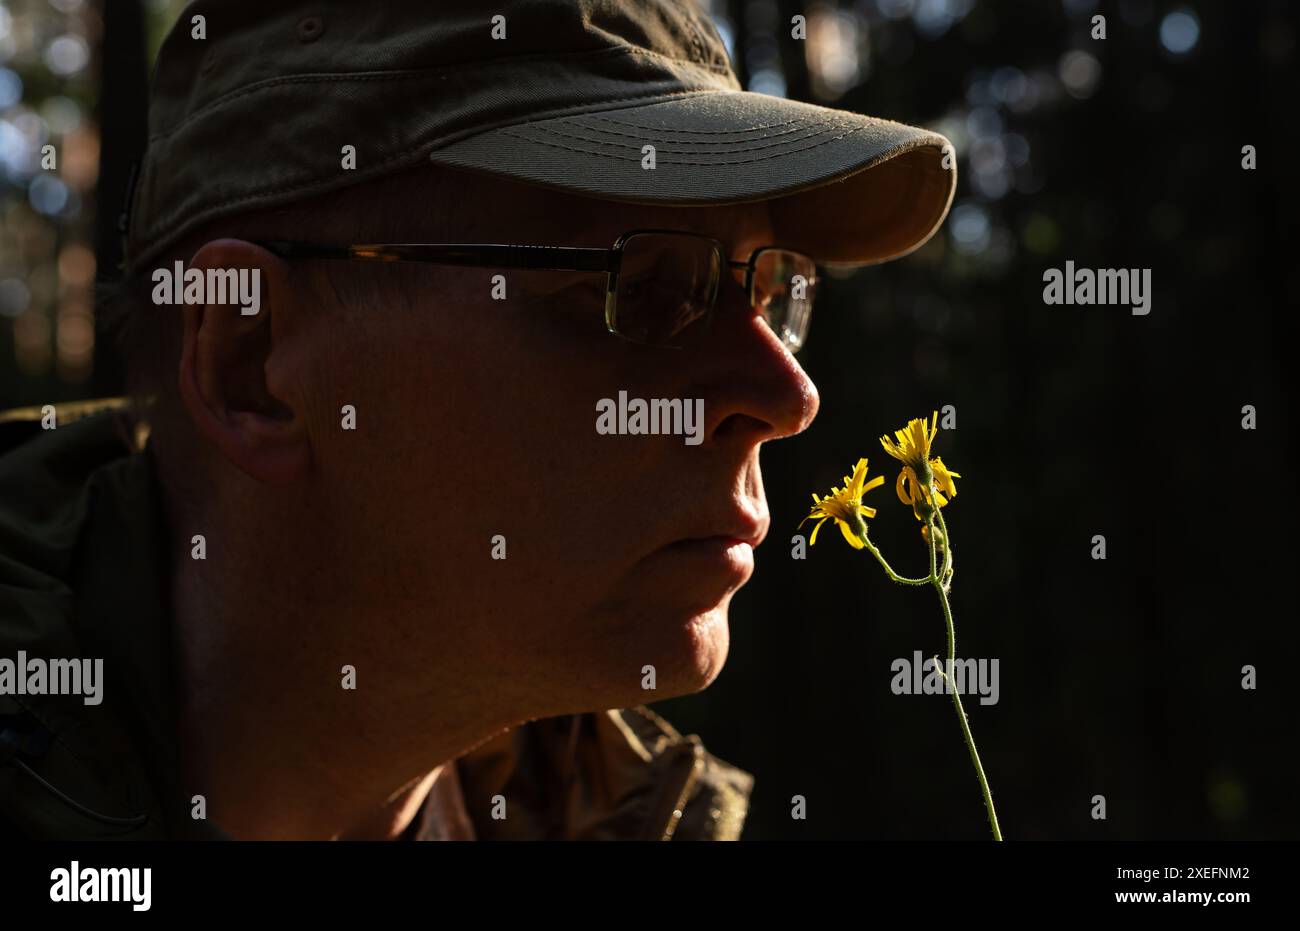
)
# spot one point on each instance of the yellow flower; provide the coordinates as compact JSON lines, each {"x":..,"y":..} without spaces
{"x":912,"y":448}
{"x":845,"y":506}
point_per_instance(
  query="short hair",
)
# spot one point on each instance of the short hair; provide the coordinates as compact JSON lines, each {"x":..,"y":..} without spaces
{"x":148,"y":337}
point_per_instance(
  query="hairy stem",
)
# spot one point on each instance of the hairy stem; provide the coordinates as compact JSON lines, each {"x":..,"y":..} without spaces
{"x":860,"y":531}
{"x":940,"y":587}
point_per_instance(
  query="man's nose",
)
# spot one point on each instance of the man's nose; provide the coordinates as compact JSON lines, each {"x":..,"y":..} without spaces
{"x":757,"y":389}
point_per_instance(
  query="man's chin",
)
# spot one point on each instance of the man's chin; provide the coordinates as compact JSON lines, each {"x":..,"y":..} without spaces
{"x":654,"y":645}
{"x":686,"y":651}
{"x":711,"y":639}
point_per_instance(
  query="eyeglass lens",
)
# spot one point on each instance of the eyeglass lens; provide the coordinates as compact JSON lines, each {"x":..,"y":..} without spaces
{"x":667,"y":284}
{"x":784,"y":286}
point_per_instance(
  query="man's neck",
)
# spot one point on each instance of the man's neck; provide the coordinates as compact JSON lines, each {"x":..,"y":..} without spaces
{"x":269,"y":731}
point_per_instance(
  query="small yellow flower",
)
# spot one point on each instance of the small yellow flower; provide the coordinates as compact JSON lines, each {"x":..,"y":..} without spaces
{"x":845,"y":506}
{"x":912,"y":448}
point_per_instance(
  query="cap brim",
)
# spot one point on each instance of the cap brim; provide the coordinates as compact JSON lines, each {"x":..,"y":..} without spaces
{"x":846,"y":188}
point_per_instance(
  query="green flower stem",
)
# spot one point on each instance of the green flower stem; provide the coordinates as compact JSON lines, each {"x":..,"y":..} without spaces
{"x":946,"y":577}
{"x":952,"y":657}
{"x":929,"y":523}
{"x":861,"y":532}
{"x":900,"y":579}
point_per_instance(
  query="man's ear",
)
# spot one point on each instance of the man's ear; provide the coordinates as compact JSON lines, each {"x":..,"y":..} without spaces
{"x":238,"y":378}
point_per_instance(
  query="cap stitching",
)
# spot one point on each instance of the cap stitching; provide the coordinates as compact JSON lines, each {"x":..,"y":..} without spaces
{"x":723,"y":68}
{"x":743,"y":161}
{"x":407,"y":74}
{"x":694,"y":146}
{"x":704,"y":132}
{"x":829,"y":127}
{"x":821,"y":127}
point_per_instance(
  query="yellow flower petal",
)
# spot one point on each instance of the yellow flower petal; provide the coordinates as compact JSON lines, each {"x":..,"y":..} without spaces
{"x":900,"y":486}
{"x":845,"y":506}
{"x":911,"y":447}
{"x":943,"y":476}
{"x":854,"y":488}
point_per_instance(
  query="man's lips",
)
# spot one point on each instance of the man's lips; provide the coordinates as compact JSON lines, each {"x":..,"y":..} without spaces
{"x":742,"y":527}
{"x":716,"y":551}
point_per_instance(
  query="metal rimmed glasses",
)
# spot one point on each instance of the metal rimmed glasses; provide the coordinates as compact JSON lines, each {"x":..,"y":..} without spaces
{"x":661,"y":285}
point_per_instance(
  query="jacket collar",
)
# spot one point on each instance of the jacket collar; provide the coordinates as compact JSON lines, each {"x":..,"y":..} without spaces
{"x":84,"y":579}
{"x":89,"y":578}
{"x":621,"y":774}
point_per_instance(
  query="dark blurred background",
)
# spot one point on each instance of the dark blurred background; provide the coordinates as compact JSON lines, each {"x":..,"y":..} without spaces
{"x":1120,"y":677}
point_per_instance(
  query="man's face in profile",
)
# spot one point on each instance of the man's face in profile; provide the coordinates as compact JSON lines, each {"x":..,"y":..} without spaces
{"x":476,"y":417}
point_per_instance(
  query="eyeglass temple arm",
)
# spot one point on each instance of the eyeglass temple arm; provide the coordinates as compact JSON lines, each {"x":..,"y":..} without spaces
{"x":558,"y":258}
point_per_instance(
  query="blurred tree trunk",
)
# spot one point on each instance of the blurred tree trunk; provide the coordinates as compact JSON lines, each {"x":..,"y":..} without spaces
{"x":737,"y":12}
{"x":794,"y":61}
{"x":122,"y":115}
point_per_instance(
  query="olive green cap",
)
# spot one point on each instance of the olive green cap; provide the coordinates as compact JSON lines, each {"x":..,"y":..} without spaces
{"x":562,"y":93}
